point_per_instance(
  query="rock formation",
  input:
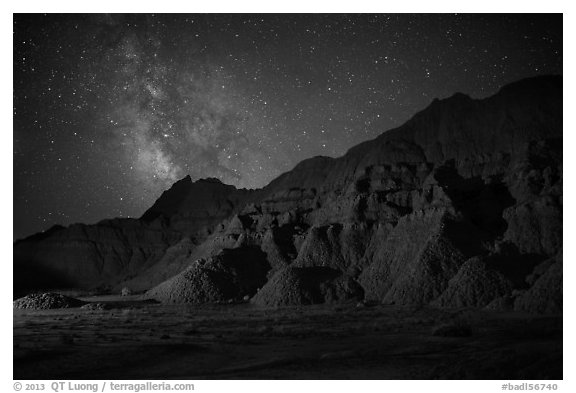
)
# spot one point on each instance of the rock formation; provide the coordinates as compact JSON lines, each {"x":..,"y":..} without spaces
{"x":46,"y":301}
{"x":459,"y":207}
{"x":230,"y":275}
{"x":294,"y":286}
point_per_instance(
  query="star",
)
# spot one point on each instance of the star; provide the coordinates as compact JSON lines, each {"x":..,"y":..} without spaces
{"x":115,"y":109}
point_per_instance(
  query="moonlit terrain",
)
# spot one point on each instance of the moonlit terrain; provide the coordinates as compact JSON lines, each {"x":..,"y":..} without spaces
{"x":110,"y":110}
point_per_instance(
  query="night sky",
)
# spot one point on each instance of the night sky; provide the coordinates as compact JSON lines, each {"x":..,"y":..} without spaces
{"x":110,"y":110}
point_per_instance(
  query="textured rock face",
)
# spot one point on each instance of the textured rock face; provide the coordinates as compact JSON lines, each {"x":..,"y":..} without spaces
{"x":173,"y":261}
{"x":294,"y":286}
{"x":232,"y":274}
{"x":475,"y":285}
{"x":459,"y":207}
{"x":535,"y":227}
{"x":141,"y":252}
{"x":545,"y":295}
{"x":46,"y":301}
{"x":88,"y":256}
{"x":418,"y":257}
{"x":190,"y":207}
{"x":339,"y":246}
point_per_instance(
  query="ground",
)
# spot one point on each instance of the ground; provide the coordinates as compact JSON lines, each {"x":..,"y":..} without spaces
{"x":141,"y":340}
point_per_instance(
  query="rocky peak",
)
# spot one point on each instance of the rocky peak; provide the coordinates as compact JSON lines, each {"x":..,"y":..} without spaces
{"x":465,"y":192}
{"x":187,"y":198}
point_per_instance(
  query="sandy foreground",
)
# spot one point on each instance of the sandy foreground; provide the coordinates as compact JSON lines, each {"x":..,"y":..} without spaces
{"x":136,"y":339}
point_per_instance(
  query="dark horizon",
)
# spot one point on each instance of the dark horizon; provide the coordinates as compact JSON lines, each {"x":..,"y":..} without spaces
{"x":188,"y":176}
{"x":382,"y":197}
{"x":129,"y":104}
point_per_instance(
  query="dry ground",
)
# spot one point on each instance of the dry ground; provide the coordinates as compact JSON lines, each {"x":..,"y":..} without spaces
{"x":140,"y":340}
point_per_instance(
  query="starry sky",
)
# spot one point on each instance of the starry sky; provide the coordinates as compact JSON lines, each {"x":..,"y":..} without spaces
{"x":110,"y":110}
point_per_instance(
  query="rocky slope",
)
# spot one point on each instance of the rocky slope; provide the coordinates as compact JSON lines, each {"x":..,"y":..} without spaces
{"x":143,"y":252}
{"x":459,"y":207}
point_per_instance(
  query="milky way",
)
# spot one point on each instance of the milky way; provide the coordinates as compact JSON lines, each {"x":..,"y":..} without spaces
{"x":110,"y":110}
